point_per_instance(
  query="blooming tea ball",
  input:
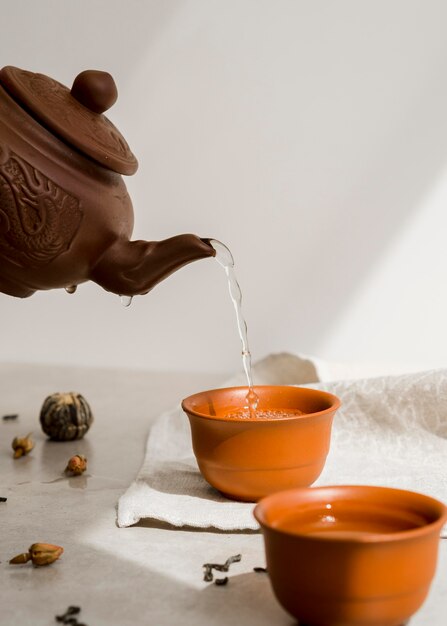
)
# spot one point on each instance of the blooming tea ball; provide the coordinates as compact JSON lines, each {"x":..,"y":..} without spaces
{"x":65,"y":416}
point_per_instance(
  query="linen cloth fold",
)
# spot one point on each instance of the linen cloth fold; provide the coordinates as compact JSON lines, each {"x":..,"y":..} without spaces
{"x":389,"y":431}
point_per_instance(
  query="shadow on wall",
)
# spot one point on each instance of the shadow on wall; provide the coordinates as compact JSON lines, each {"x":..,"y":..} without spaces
{"x":376,"y":206}
{"x":302,"y":136}
{"x":372,"y":137}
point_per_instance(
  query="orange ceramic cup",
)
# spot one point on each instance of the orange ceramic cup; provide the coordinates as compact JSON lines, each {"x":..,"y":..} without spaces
{"x":247,"y":459}
{"x":351,"y":556}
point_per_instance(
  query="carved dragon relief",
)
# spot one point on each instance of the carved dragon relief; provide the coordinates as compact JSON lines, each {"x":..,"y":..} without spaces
{"x":38,"y":219}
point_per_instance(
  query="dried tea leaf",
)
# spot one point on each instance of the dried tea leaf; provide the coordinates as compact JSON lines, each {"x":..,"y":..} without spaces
{"x":67,"y":617}
{"x":72,"y":610}
{"x":220,"y":567}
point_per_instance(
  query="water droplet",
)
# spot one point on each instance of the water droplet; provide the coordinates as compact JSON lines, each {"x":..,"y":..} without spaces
{"x":71,"y":288}
{"x":126,"y":301}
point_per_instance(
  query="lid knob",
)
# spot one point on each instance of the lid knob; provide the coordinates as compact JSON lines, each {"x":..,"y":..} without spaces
{"x":94,"y":89}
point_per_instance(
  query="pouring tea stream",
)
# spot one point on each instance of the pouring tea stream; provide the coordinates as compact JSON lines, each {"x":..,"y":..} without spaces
{"x":225,"y":259}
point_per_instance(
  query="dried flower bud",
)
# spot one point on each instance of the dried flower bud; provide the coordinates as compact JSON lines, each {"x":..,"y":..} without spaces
{"x":22,"y":445}
{"x":39,"y":554}
{"x":44,"y":553}
{"x":77,"y":465}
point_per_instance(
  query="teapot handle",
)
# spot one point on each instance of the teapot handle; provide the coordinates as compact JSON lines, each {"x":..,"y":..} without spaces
{"x":130,"y":268}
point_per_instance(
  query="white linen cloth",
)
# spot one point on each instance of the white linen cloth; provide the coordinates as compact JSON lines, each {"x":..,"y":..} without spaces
{"x":390,"y":431}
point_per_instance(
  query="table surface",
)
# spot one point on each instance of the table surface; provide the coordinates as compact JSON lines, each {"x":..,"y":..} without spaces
{"x":146,"y":574}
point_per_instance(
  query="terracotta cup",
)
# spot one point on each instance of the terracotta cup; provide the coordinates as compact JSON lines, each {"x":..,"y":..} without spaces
{"x":247,"y":459}
{"x":351,"y":556}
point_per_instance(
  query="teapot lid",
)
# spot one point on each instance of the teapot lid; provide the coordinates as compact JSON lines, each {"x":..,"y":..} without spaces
{"x":75,"y":115}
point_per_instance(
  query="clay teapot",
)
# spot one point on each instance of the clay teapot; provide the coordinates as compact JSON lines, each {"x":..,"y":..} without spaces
{"x":65,"y":214}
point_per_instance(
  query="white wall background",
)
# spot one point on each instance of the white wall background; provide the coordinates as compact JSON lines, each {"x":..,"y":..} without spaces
{"x":309,"y":136}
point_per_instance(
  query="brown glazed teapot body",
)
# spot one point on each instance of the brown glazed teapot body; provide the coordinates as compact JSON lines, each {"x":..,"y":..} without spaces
{"x":65,"y":214}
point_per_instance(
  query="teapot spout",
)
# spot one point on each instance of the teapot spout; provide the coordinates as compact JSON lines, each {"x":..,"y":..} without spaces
{"x":130,"y":268}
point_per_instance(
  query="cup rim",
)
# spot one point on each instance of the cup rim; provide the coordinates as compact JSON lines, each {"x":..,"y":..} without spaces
{"x":368,"y":538}
{"x":335,"y":405}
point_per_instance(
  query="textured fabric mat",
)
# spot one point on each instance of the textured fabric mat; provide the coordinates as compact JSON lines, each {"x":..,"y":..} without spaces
{"x":390,"y":431}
